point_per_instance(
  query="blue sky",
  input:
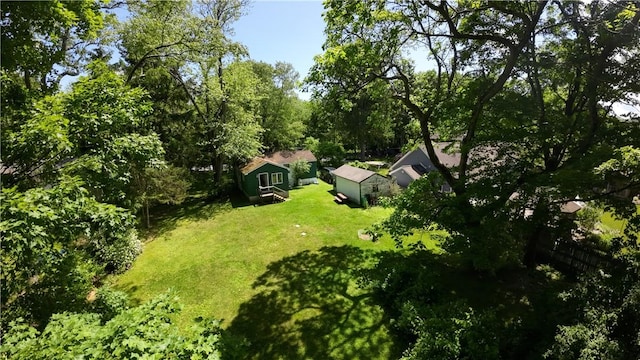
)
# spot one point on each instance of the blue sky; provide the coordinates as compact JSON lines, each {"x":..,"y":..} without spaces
{"x":287,"y":31}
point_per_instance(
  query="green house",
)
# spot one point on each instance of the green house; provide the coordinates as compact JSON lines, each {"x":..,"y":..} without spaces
{"x":270,"y":179}
{"x":263,"y":179}
{"x":286,"y":157}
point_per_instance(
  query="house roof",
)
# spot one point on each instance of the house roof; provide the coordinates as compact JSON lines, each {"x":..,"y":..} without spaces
{"x":287,"y":156}
{"x":448,"y":159}
{"x":353,"y":173}
{"x":257,"y":163}
{"x":572,"y":207}
{"x":414,"y":171}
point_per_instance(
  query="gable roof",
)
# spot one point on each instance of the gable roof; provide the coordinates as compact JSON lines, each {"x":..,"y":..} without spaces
{"x":353,"y":173}
{"x":572,"y":207}
{"x":446,"y":158}
{"x":287,"y":156}
{"x":257,"y":163}
{"x":413,"y":171}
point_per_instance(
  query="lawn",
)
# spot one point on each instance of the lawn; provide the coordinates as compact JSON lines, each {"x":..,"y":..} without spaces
{"x":278,"y":274}
{"x":611,"y":225}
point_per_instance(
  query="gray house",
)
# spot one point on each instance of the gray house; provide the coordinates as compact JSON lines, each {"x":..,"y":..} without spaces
{"x":359,"y":184}
{"x":414,"y":164}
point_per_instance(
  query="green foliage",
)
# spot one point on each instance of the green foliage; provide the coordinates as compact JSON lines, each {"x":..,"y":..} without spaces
{"x":45,"y":40}
{"x":334,"y":153}
{"x":607,"y":321}
{"x":281,"y":114}
{"x":359,"y":164}
{"x":299,"y":169}
{"x":109,"y":302}
{"x":451,"y":331}
{"x":520,"y":90}
{"x":214,"y":97}
{"x":51,"y":238}
{"x":588,"y":218}
{"x":145,"y":331}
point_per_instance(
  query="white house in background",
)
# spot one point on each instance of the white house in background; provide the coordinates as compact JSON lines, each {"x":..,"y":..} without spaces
{"x":358,"y":184}
{"x":416,"y":163}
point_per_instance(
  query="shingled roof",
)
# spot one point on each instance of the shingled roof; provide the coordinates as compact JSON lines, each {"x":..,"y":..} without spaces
{"x":287,"y":156}
{"x":256,"y":163}
{"x":353,"y":173}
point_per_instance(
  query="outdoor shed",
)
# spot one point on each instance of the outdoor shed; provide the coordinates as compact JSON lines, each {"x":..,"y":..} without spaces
{"x":263,"y":178}
{"x":286,"y":157}
{"x":358,"y":184}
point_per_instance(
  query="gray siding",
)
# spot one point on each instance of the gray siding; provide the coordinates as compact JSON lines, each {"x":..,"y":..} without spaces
{"x":415,"y":157}
{"x":402,"y":178}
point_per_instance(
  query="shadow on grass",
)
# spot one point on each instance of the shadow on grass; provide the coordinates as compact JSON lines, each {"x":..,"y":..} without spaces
{"x":165,"y":218}
{"x":349,"y":203}
{"x":309,"y":306}
{"x":346,"y":303}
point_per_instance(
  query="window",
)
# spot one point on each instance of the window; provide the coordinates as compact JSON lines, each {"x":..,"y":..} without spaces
{"x":374,"y":188}
{"x":276,"y":178}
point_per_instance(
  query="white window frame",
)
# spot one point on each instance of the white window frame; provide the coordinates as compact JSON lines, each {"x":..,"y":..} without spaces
{"x":279,"y":179}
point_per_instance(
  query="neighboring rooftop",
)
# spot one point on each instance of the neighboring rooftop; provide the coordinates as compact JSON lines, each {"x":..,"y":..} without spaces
{"x":414,"y":171}
{"x":353,"y":173}
{"x":450,"y":158}
{"x":287,"y":156}
{"x":256,"y":163}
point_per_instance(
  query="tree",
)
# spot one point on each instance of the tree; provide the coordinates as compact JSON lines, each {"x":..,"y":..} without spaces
{"x":281,"y":114}
{"x":299,"y":168}
{"x":143,"y":331}
{"x":165,"y":185}
{"x":43,"y":41}
{"x":55,"y":242}
{"x":526,"y":86}
{"x":198,"y":54}
{"x":98,"y":131}
{"x":606,"y":324}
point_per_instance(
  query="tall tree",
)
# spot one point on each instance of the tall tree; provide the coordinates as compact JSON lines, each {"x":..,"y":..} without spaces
{"x":197,"y":52}
{"x":43,"y":41}
{"x":530,"y":87}
{"x":282,"y":115}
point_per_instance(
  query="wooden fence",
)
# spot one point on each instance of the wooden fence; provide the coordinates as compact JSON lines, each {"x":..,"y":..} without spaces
{"x":574,"y":257}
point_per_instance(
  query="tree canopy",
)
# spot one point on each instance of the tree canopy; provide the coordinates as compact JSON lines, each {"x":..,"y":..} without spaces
{"x":524,"y":89}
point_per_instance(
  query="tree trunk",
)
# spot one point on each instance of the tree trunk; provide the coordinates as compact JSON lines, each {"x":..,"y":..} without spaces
{"x":217,"y":168}
{"x":531,"y":248}
{"x":146,"y":210}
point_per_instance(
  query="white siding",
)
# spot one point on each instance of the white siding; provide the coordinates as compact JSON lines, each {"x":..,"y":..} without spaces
{"x":349,"y":188}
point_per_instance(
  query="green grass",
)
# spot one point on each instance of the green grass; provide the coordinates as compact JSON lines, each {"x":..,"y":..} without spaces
{"x":279,"y":274}
{"x":611,"y":225}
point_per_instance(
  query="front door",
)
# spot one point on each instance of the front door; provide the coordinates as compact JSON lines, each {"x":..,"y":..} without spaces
{"x":263,"y":179}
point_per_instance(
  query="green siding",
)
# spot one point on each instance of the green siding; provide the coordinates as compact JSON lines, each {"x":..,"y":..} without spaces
{"x":313,"y":170}
{"x":250,"y":181}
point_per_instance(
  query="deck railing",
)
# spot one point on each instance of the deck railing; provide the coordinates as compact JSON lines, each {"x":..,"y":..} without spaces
{"x":273,"y":190}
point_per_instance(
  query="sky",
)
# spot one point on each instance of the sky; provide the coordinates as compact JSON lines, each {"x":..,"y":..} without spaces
{"x":287,"y":31}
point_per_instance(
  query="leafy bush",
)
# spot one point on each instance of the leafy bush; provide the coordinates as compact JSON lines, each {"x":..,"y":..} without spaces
{"x":145,"y":331}
{"x":607,"y":321}
{"x":299,"y":168}
{"x":109,"y":302}
{"x":117,"y":253}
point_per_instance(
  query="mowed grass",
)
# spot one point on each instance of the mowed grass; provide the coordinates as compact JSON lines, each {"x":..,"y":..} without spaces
{"x":280,"y":275}
{"x":613,"y":225}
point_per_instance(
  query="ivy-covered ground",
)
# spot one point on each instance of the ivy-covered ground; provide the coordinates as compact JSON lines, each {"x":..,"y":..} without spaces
{"x":280,"y":274}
